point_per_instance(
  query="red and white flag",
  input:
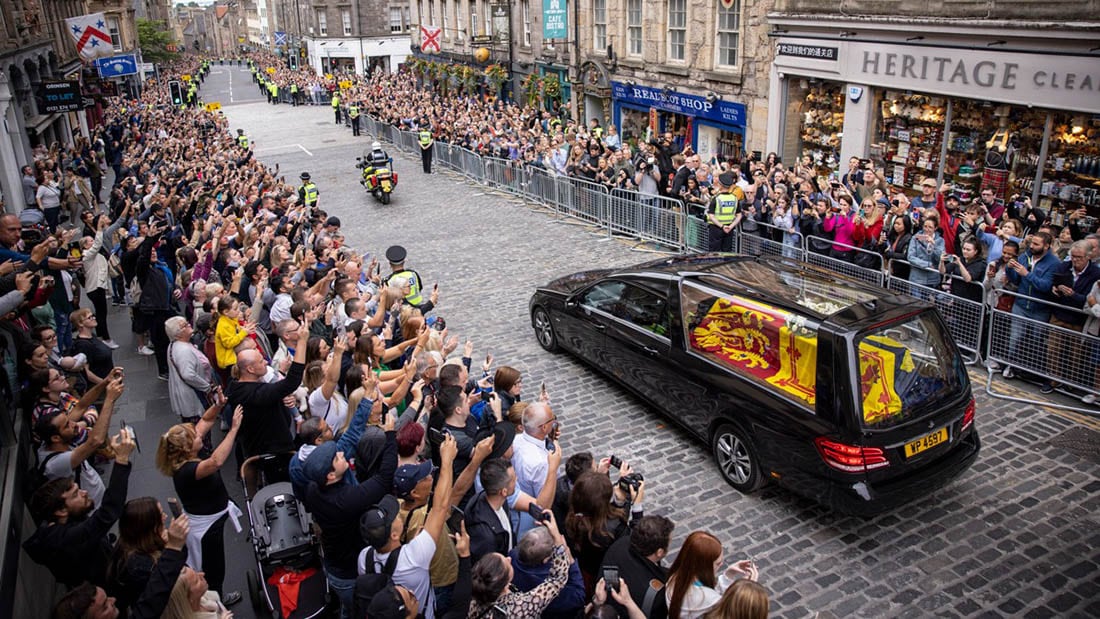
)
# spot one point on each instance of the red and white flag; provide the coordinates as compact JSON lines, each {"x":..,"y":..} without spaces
{"x":429,"y":39}
{"x":91,"y":35}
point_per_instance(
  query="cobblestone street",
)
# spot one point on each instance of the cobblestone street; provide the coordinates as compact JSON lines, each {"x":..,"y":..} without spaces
{"x":1017,"y":535}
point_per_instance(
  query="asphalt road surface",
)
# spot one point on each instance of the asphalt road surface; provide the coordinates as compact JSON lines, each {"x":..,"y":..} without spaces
{"x":1017,"y":535}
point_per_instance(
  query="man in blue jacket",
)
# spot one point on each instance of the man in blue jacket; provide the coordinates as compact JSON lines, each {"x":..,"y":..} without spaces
{"x":1071,"y":285}
{"x":1034,"y":275}
{"x":531,"y":568}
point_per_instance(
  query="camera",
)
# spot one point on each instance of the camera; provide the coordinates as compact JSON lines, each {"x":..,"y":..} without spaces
{"x":32,"y":235}
{"x":632,"y":481}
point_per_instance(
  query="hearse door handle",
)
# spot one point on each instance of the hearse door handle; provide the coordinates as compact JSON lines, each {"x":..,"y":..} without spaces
{"x":599,"y":327}
{"x":650,"y":351}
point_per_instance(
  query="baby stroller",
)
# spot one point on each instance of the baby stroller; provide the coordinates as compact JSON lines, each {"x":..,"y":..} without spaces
{"x":288,"y":554}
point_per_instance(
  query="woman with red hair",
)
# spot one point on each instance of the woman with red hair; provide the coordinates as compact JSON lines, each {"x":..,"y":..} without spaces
{"x":694,"y":585}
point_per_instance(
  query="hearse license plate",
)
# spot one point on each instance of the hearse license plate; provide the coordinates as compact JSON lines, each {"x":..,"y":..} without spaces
{"x":926,"y":442}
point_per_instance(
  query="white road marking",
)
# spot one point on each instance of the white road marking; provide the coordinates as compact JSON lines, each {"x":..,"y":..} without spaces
{"x":231,"y":85}
{"x":304,"y":150}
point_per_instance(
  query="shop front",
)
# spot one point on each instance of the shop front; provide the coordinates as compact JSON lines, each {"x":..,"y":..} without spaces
{"x":711,"y":126}
{"x":1023,"y":123}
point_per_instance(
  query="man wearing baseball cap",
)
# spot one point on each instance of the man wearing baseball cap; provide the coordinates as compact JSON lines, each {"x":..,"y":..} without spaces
{"x":382,"y":525}
{"x":337,"y":507}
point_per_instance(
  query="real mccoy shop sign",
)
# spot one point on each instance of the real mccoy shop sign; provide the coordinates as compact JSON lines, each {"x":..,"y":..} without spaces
{"x":725,"y":112}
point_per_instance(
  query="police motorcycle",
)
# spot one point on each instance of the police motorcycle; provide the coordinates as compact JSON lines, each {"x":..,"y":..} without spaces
{"x":377,"y":177}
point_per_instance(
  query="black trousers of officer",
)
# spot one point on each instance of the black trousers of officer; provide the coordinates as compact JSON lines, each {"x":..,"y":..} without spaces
{"x":718,"y":239}
{"x":426,"y":158}
{"x":337,"y":110}
{"x":355,"y":125}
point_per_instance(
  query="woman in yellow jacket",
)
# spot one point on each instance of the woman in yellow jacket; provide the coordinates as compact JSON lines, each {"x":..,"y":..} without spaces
{"x":229,"y":332}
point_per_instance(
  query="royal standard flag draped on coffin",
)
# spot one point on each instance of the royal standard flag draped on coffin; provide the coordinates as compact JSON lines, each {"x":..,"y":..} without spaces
{"x":765,"y":342}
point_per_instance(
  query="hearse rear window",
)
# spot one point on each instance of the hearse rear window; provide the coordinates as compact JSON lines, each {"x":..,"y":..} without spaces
{"x":766,"y":344}
{"x":903,"y":369}
{"x":818,"y":292}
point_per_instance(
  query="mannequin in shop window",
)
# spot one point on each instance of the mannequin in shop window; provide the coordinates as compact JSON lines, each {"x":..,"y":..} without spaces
{"x":1000,"y":149}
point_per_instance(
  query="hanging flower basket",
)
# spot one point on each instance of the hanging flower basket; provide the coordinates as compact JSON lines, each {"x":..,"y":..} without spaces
{"x":532,"y":89}
{"x":551,"y":87}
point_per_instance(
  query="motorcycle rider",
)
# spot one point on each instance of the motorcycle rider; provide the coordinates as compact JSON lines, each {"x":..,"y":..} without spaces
{"x":378,"y":157}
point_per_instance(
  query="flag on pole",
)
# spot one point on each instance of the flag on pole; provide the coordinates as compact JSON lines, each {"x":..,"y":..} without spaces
{"x":91,"y":35}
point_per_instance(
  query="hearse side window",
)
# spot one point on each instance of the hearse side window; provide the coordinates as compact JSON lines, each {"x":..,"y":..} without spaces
{"x":633,"y":304}
{"x":765,"y":344}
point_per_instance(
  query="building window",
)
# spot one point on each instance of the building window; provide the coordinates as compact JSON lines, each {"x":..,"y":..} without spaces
{"x":473,"y":19}
{"x":488,"y":20}
{"x":527,"y":23}
{"x":431,"y":12}
{"x":322,"y":23}
{"x":634,"y":27}
{"x":458,"y":20}
{"x":599,"y":24}
{"x":677,"y":29}
{"x":443,"y":10}
{"x":116,"y":38}
{"x":408,"y":19}
{"x":345,"y":16}
{"x":729,"y":34}
{"x":396,"y":24}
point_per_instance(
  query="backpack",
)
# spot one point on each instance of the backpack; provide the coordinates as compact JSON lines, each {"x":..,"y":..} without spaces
{"x":36,"y":477}
{"x":370,"y":583}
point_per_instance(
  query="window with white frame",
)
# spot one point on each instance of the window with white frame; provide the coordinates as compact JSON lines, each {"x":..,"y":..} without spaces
{"x":431,"y":12}
{"x":443,"y":10}
{"x":599,"y":24}
{"x":677,"y":29}
{"x":345,"y":17}
{"x":116,"y":38}
{"x":527,"y":23}
{"x":408,"y":19}
{"x":458,"y":20}
{"x":488,"y":20}
{"x":473,"y":19}
{"x":634,"y":27}
{"x":729,"y":34}
{"x":322,"y":23}
{"x":396,"y":23}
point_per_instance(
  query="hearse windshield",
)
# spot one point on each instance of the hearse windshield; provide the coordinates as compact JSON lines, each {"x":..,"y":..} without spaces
{"x":904,"y":369}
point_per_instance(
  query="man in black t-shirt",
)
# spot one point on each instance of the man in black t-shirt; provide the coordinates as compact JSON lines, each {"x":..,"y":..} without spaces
{"x":266,"y":424}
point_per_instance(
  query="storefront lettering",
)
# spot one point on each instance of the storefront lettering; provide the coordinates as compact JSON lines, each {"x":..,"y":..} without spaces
{"x":711,"y":108}
{"x":961,"y":72}
{"x":673,"y":99}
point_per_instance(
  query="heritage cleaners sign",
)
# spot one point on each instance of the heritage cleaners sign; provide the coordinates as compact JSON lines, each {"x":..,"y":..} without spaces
{"x":725,"y":112}
{"x":1043,"y":80}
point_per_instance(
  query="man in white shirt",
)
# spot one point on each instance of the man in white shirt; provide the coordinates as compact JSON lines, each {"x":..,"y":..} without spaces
{"x":530,"y":454}
{"x":382,"y":526}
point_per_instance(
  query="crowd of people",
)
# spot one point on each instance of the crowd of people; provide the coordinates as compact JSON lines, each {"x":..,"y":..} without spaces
{"x":438,"y":484}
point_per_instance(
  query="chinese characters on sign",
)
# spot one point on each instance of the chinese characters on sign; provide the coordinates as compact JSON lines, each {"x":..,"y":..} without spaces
{"x":807,"y":51}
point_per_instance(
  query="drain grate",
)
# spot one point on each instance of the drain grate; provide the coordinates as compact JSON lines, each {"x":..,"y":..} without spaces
{"x":1080,"y":441}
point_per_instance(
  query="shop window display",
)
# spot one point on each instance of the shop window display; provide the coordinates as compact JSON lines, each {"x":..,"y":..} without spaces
{"x":1071,"y":174}
{"x":910,"y":138}
{"x":822,"y":125}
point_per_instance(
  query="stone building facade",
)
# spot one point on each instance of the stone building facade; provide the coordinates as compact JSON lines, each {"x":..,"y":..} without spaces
{"x":1002,"y":96}
{"x":357,"y":37}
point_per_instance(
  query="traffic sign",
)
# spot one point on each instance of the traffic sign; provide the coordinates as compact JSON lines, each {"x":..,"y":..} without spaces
{"x":117,"y":66}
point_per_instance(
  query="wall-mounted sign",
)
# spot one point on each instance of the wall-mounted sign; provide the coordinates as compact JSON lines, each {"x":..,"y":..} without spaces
{"x":117,"y":66}
{"x":725,"y":112}
{"x":555,"y":19}
{"x":62,"y":96}
{"x":820,"y":52}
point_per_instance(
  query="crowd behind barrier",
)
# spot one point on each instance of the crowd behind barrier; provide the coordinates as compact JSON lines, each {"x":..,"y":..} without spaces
{"x":662,"y":220}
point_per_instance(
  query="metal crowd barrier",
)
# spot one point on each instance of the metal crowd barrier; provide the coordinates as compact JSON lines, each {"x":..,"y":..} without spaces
{"x":874,"y":275}
{"x":1067,"y":357}
{"x":762,"y":242}
{"x":965,"y":318}
{"x":657,"y":219}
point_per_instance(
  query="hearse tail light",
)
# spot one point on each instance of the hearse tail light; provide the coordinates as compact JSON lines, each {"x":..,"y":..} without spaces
{"x":968,"y":416}
{"x":850,"y":458}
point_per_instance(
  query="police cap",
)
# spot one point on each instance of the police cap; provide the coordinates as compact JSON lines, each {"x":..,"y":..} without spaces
{"x":395,"y":254}
{"x":726,"y":179}
{"x":305,"y":176}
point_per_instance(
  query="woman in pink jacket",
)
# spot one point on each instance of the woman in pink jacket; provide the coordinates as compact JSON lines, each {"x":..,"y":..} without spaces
{"x":842,"y":226}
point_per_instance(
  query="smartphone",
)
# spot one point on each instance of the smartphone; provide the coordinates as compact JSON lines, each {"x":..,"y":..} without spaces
{"x":174,"y":507}
{"x":542,"y":388}
{"x":437,"y":436}
{"x":616,"y":461}
{"x":454,"y":521}
{"x":130,"y":430}
{"x":538,"y":513}
{"x":611,"y":578}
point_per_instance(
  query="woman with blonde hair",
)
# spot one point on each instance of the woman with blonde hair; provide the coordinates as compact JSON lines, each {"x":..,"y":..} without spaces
{"x":192,"y":599}
{"x":198,"y":484}
{"x":744,"y":599}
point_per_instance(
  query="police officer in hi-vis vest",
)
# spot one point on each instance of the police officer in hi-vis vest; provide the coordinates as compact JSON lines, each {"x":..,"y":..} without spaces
{"x":353,"y":114}
{"x":396,"y":257}
{"x":724,"y":213}
{"x":242,"y":139}
{"x":307,"y":193}
{"x":426,"y":142}
{"x":336,"y":106}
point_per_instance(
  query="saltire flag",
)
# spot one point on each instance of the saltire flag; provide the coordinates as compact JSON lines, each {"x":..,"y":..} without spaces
{"x":91,"y":35}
